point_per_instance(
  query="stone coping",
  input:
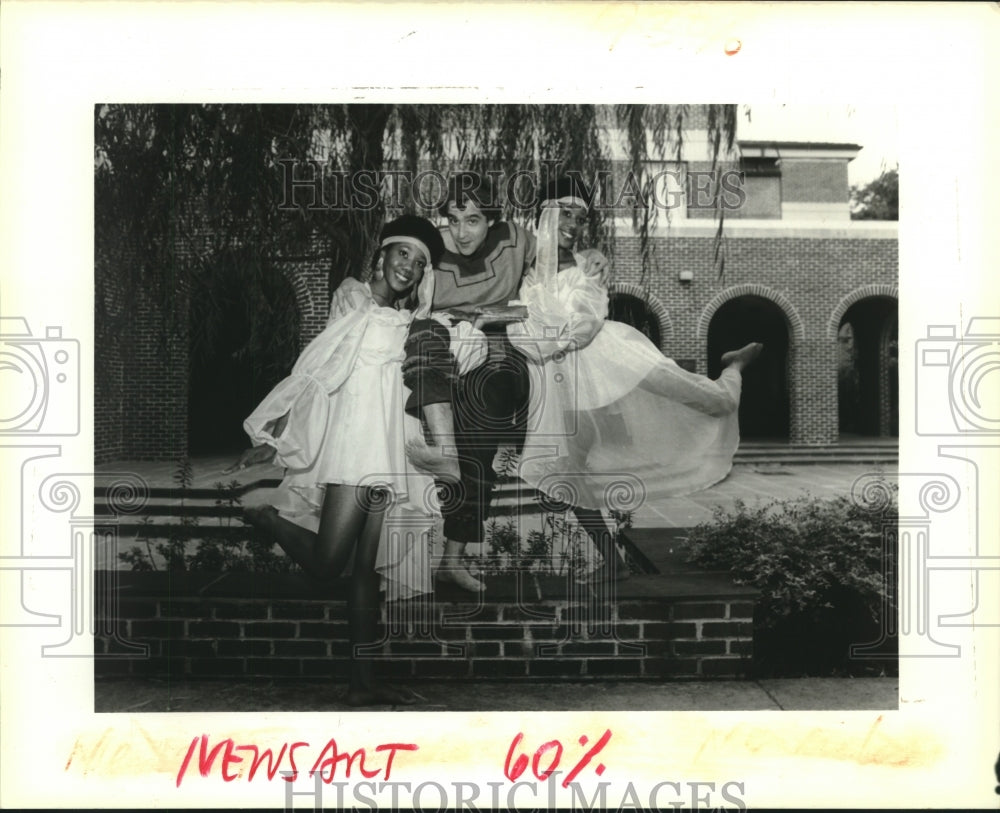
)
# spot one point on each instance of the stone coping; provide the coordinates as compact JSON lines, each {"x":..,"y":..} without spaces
{"x":687,"y":586}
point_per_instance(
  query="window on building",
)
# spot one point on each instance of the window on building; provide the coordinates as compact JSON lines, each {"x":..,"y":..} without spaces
{"x":754,"y":193}
{"x":762,"y":188}
{"x":668,"y":179}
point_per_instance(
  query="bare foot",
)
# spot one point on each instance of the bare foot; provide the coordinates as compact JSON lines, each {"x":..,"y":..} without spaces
{"x":457,"y":574}
{"x":432,"y":460}
{"x":380,"y":696}
{"x":742,"y":357}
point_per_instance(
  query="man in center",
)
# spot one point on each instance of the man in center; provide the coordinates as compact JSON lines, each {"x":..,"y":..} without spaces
{"x":482,"y":267}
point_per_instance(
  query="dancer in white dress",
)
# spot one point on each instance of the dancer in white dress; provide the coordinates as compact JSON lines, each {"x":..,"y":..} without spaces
{"x":338,"y":426}
{"x":609,"y":411}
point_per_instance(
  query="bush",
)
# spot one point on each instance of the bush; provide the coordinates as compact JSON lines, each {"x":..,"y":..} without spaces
{"x":821,"y":568}
{"x":560,"y":547}
{"x":242,"y":548}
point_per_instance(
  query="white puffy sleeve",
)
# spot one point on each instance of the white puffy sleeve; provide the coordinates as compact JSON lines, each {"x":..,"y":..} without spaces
{"x":560,"y":319}
{"x":351,"y":295}
{"x":321,"y":369}
{"x":587,"y":304}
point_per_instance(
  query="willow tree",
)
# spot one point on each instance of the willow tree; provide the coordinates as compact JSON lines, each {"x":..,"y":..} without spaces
{"x":179,"y":187}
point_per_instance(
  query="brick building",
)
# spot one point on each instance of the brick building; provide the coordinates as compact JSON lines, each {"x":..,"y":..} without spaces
{"x":819,"y":289}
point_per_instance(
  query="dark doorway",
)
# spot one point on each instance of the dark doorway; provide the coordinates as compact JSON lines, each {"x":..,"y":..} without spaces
{"x":244,"y":333}
{"x":867,"y":373}
{"x":764,"y":403}
{"x":635,"y":312}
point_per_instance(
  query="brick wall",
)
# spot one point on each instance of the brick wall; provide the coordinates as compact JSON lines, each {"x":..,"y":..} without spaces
{"x":234,"y":638}
{"x":814,"y":181}
{"x":808,"y":278}
{"x":141,"y":396}
{"x":309,"y":276}
{"x":153,"y":407}
{"x":109,"y":383}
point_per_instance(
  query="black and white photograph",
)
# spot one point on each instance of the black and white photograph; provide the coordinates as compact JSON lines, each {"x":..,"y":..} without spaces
{"x":498,"y":406}
{"x":453,"y":407}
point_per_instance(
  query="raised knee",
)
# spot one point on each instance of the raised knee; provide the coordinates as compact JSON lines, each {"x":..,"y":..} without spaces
{"x":726,"y":405}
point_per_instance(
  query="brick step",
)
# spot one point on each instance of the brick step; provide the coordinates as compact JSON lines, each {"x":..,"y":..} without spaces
{"x":890,"y":446}
{"x":815,"y":460}
{"x":811,"y":451}
{"x":884,"y":452}
{"x":200,"y":504}
{"x":101,"y":493}
{"x":158,"y":531}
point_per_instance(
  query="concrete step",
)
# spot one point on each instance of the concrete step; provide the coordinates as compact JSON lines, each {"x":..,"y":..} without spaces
{"x":877,"y":451}
{"x":859,"y":460}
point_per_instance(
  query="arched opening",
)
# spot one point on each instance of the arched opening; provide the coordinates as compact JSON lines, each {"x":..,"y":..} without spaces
{"x":244,"y":336}
{"x":867,"y":369}
{"x":764,"y":403}
{"x":635,"y":312}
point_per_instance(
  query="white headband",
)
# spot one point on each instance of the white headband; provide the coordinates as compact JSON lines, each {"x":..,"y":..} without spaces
{"x":565,"y":200}
{"x":405,"y":238}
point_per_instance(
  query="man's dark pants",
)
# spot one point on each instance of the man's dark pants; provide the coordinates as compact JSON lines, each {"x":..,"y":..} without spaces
{"x":489,"y":405}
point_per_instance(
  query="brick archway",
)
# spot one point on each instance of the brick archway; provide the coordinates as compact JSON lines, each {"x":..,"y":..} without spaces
{"x":796,"y":328}
{"x":864,"y":324}
{"x":309,"y":315}
{"x":239,"y":353}
{"x":656,"y":307}
{"x":864,"y":292}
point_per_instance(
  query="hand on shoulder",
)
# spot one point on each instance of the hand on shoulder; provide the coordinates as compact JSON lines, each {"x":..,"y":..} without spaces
{"x":252,"y":457}
{"x":596,"y":265}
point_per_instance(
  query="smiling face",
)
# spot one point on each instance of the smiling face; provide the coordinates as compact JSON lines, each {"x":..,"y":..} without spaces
{"x":403,"y":266}
{"x":572,"y":221}
{"x":468,"y":226}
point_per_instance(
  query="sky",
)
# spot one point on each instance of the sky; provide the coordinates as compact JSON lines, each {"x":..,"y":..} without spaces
{"x":874,"y":128}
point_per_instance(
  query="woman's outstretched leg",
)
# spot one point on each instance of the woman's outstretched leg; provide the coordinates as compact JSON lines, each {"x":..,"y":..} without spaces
{"x":716,"y":398}
{"x":362,"y":619}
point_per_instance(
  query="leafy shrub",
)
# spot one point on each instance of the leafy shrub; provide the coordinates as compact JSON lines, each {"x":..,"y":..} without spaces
{"x":243,"y":549}
{"x":558,"y":548}
{"x":821,"y":568}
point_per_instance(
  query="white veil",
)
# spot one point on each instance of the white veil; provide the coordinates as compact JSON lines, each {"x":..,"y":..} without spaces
{"x":547,"y":256}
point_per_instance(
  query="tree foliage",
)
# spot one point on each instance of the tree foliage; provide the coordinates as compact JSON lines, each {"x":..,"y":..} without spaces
{"x":877,"y":199}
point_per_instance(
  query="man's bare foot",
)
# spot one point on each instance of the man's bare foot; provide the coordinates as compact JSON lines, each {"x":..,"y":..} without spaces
{"x":433,"y":460}
{"x":742,"y":357}
{"x":381,"y":695}
{"x":260,"y":516}
{"x":457,"y":574}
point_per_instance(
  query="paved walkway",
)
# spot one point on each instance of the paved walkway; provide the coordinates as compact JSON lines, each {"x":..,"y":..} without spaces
{"x":793,"y":694}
